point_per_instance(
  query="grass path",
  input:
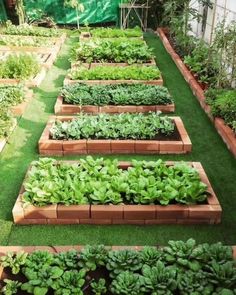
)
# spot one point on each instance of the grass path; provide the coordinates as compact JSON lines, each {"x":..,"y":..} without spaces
{"x":208,"y":148}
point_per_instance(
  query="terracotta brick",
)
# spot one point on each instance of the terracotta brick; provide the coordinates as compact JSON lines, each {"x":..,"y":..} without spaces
{"x":146,"y":108}
{"x":193,"y":221}
{"x":146,"y":145}
{"x":18,"y":212}
{"x":160,"y":221}
{"x":124,"y":152}
{"x":75,"y":145}
{"x":120,"y":248}
{"x":73,"y":211}
{"x":45,"y":248}
{"x":172,"y":211}
{"x":49,"y":144}
{"x":202,"y":212}
{"x":124,"y":165}
{"x":99,"y":145}
{"x":70,"y":109}
{"x":109,"y":109}
{"x":139,"y":212}
{"x":165,"y":108}
{"x":90,"y":109}
{"x":96,"y":221}
{"x":32,"y":221}
{"x":50,"y":153}
{"x":59,"y":249}
{"x":122,"y":145}
{"x":33,"y":212}
{"x":107,"y":211}
{"x":79,"y":152}
{"x":127,"y":109}
{"x":187,"y":143}
{"x":60,"y":221}
{"x":171,"y":146}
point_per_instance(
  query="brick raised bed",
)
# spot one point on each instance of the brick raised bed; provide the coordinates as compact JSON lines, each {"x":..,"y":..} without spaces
{"x":33,"y":82}
{"x":62,"y":108}
{"x":88,"y":35}
{"x":225,"y":132}
{"x":209,"y":213}
{"x":50,"y":147}
{"x":19,"y":109}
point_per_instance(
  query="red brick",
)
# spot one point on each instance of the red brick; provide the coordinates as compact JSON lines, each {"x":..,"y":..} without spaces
{"x":160,"y":221}
{"x":146,"y":109}
{"x":120,"y":248}
{"x":90,"y":109}
{"x":50,"y":153}
{"x":33,"y":212}
{"x":75,"y":145}
{"x":96,"y":221}
{"x":193,"y":221}
{"x":99,"y":145}
{"x":73,"y":211}
{"x":122,"y":145}
{"x":49,"y":144}
{"x":109,"y":109}
{"x":107,"y":211}
{"x":139,"y":212}
{"x":172,"y":212}
{"x":32,"y":221}
{"x":127,"y":109}
{"x":61,"y":221}
{"x":146,"y":145}
{"x":171,"y":146}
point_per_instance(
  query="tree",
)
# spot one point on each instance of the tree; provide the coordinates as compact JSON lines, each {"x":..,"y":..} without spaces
{"x":75,"y":4}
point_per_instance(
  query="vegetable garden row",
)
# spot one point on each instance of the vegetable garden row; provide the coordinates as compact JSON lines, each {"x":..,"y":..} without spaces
{"x":112,"y":102}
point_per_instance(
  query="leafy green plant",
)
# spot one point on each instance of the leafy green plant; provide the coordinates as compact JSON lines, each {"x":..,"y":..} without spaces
{"x":92,"y":257}
{"x":29,"y":30}
{"x":128,"y":283}
{"x":114,"y":51}
{"x":159,"y":279}
{"x":67,"y":260}
{"x":150,"y":255}
{"x":6,"y":121}
{"x":71,"y":282}
{"x":11,"y":40}
{"x":37,"y":260}
{"x":117,"y":126}
{"x":116,"y":33}
{"x":123,"y":260}
{"x":41,"y":280}
{"x":19,"y":66}
{"x":120,"y":94}
{"x":99,"y":287}
{"x":11,"y":287}
{"x":75,"y":4}
{"x":11,"y":95}
{"x":100,"y":181}
{"x":133,"y":72}
{"x":194,"y":283}
{"x":183,"y":254}
{"x":14,"y":261}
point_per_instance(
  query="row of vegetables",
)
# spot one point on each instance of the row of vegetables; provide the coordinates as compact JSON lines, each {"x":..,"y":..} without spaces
{"x":183,"y":268}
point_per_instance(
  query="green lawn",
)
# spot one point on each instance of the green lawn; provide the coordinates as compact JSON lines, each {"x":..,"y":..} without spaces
{"x":208,"y":148}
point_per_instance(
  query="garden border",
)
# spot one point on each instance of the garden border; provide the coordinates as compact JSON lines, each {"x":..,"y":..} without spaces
{"x":51,"y":147}
{"x":19,"y":109}
{"x":61,"y":108}
{"x":91,"y":65}
{"x":209,"y":213}
{"x":88,"y":35}
{"x":224,"y":131}
{"x":4,"y":140}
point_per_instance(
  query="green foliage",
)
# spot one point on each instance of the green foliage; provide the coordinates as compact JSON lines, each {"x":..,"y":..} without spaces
{"x":159,"y":279}
{"x":115,"y":51}
{"x":150,"y":255}
{"x":116,"y":33}
{"x":128,"y":283}
{"x":102,"y":182}
{"x":99,"y":287}
{"x":134,"y":72}
{"x":120,"y":94}
{"x":6,"y":121}
{"x":117,"y":126}
{"x":41,"y":280}
{"x":38,"y":260}
{"x":92,"y":257}
{"x":19,"y":66}
{"x":196,"y":283}
{"x":223,"y":104}
{"x":13,"y":261}
{"x":11,"y":287}
{"x":11,"y":95}
{"x":25,"y":41}
{"x":67,"y":260}
{"x":71,"y":282}
{"x":29,"y":30}
{"x":123,"y":260}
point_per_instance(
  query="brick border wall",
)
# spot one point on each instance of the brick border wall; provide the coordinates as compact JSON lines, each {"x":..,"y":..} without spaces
{"x":225,"y":131}
{"x":19,"y":109}
{"x":51,"y":147}
{"x":209,"y":213}
{"x":111,"y":64}
{"x":61,"y":108}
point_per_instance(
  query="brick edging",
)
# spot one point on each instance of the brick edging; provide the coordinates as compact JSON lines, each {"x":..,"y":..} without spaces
{"x":72,"y":109}
{"x":152,"y":62}
{"x":209,"y":213}
{"x":50,"y":147}
{"x":4,"y":140}
{"x":225,"y":131}
{"x":19,"y":109}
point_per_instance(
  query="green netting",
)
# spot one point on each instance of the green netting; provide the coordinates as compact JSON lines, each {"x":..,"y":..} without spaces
{"x":3,"y":15}
{"x":96,"y":11}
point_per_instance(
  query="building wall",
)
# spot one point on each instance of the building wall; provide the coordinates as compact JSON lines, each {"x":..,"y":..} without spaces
{"x":221,"y":9}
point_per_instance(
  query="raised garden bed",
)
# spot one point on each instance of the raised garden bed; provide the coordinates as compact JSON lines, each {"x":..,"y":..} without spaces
{"x":46,"y":57}
{"x":225,"y":132}
{"x":106,"y":75}
{"x":208,"y":212}
{"x":48,"y":146}
{"x":4,"y":140}
{"x":122,"y":98}
{"x":19,"y":109}
{"x":176,"y":268}
{"x":112,"y":64}
{"x":104,"y":33}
